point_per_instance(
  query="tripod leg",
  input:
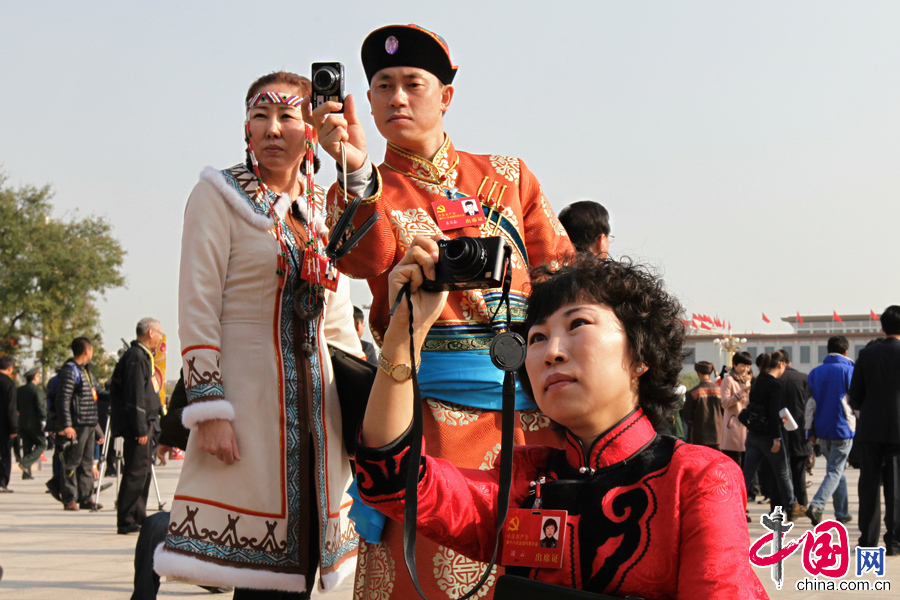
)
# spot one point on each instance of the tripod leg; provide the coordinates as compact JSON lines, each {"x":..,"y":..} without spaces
{"x":101,"y":465}
{"x":156,"y":485}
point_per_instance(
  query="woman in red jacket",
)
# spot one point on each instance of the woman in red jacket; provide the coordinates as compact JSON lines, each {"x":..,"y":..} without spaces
{"x":647,"y":515}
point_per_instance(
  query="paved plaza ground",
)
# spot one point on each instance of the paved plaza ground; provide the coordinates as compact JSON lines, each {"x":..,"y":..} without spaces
{"x":50,"y":554}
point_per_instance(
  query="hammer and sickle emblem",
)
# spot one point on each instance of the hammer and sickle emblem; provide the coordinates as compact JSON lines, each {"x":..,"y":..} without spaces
{"x":442,"y":208}
{"x":513,"y":524}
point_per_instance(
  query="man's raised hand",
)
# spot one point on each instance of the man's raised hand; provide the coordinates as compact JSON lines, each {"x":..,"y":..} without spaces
{"x":334,"y":128}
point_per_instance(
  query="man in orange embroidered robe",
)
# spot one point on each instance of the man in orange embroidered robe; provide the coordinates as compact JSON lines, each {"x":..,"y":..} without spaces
{"x":410,"y":71}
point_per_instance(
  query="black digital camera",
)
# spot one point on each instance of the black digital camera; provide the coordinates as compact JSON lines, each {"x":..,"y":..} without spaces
{"x":327,"y":83}
{"x":468,"y":263}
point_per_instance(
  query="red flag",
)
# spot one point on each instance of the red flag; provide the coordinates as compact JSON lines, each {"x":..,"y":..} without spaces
{"x":837,"y":317}
{"x":706,"y":319}
{"x":695,"y":325}
{"x":799,"y":318}
{"x":873,"y":315}
{"x":718,"y":322}
{"x":686,"y":322}
{"x":766,"y":319}
{"x":695,"y":316}
{"x":705,"y":326}
{"x":729,"y":325}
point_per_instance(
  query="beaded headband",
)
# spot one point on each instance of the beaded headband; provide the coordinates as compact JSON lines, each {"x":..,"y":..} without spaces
{"x":274,"y":98}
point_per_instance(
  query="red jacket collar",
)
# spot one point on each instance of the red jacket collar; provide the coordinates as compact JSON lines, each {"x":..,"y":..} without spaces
{"x":622,"y":441}
{"x":438,"y":171}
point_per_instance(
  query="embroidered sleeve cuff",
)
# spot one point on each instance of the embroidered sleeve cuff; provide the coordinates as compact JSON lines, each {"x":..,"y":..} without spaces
{"x":208,"y":410}
{"x":381,"y":472}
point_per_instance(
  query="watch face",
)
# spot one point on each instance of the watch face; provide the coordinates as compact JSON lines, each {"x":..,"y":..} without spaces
{"x":401,"y":372}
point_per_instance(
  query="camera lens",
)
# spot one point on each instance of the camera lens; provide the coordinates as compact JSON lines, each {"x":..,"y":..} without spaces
{"x":464,"y":258}
{"x":325,"y":80}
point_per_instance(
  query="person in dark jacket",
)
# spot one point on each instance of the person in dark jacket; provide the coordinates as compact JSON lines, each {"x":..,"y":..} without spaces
{"x":8,"y":419}
{"x":796,"y":394}
{"x":703,"y":408}
{"x":764,"y":439}
{"x":875,"y":392}
{"x":76,"y":416}
{"x":135,"y":410}
{"x":549,"y":538}
{"x":32,"y":406}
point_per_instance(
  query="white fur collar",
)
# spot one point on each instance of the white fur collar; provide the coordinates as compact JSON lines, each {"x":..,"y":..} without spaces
{"x":241,"y":205}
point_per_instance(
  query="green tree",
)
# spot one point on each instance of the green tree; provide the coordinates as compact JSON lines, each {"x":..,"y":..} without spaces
{"x":52,"y":273}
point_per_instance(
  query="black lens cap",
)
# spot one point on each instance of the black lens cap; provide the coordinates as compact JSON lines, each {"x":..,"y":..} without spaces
{"x":508,"y":351}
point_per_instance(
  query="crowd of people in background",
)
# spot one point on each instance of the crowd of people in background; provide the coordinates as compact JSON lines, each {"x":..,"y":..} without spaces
{"x":790,"y":418}
{"x":68,"y":416}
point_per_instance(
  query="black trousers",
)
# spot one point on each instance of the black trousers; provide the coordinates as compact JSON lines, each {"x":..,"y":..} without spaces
{"x":153,"y":533}
{"x":798,"y":478}
{"x":33,"y":445}
{"x":879,"y":464}
{"x":131,"y":505}
{"x":5,"y":460}
{"x":78,"y":458}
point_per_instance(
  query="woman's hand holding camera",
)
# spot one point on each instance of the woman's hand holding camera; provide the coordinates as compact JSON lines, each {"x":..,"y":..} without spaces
{"x":334,"y":128}
{"x":217,"y":438}
{"x":417,"y":264}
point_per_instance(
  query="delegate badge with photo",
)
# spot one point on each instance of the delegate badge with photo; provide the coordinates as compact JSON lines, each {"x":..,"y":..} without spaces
{"x":326,"y":274}
{"x":458,"y":212}
{"x":534,"y":538}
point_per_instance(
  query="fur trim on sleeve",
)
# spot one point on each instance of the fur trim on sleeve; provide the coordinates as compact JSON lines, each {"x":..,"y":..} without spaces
{"x":209,"y":410}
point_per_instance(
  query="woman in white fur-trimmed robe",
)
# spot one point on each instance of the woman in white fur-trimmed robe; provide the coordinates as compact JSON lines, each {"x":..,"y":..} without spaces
{"x":261,"y":503}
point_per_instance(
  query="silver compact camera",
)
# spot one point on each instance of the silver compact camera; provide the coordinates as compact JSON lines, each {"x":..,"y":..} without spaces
{"x":327,"y":83}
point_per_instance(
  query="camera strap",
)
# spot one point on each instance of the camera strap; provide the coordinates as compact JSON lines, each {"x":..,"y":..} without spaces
{"x":505,"y":348}
{"x":340,"y":243}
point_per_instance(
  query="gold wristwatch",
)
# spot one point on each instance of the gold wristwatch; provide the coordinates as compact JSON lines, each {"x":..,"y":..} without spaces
{"x":400,"y":373}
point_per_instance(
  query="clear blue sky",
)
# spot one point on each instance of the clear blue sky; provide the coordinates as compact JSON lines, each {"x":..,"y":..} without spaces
{"x":748,"y":150}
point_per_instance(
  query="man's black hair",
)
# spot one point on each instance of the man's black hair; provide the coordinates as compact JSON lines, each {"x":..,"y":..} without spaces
{"x":838,"y":344}
{"x":80,"y":346}
{"x":358,"y":315}
{"x":890,"y":320}
{"x":7,"y":362}
{"x":585,"y":221}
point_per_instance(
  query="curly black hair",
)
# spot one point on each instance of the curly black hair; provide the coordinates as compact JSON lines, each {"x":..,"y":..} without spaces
{"x":650,"y":316}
